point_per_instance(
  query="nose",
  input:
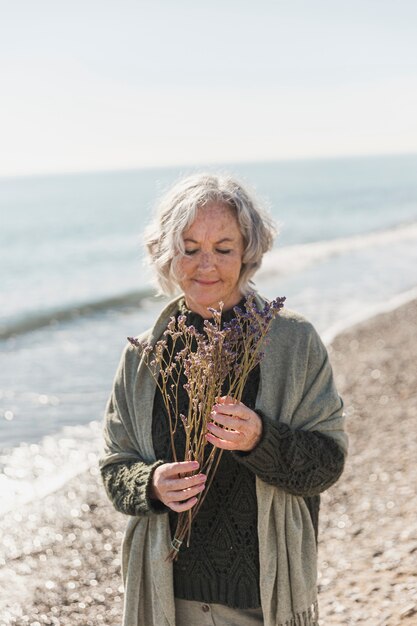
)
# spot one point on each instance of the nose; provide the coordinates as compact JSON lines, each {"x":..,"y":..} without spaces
{"x":206,"y":261}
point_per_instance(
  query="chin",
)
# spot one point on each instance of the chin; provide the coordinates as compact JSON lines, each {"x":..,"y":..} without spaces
{"x":206,"y":299}
{"x":206,"y":302}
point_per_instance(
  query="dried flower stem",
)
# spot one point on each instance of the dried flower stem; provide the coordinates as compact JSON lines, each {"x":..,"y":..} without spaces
{"x":208,"y":360}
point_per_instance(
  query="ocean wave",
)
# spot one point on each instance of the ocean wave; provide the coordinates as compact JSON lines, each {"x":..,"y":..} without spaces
{"x":296,"y":258}
{"x":39,"y":320}
{"x":278,"y":262}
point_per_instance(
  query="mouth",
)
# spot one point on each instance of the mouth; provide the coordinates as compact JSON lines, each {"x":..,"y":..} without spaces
{"x":205,"y":282}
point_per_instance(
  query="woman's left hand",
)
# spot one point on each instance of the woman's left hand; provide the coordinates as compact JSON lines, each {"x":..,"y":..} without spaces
{"x":234,"y":426}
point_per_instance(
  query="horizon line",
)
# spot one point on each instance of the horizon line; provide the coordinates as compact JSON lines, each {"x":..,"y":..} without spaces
{"x":208,"y":164}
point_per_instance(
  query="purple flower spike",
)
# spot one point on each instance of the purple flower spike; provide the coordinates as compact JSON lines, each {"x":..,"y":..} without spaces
{"x":135,"y":342}
{"x":206,"y":364}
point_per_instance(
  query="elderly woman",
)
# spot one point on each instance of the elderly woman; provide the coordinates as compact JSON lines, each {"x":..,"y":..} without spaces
{"x":252,"y":556}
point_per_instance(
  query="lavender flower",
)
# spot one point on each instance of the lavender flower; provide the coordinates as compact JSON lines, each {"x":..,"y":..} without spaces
{"x":135,"y":342}
{"x":209,"y":360}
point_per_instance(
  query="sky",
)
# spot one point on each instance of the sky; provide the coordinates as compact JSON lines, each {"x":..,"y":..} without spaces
{"x":92,"y":85}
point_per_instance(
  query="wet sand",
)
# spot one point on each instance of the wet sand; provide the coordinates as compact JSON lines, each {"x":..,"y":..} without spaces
{"x":60,"y":557}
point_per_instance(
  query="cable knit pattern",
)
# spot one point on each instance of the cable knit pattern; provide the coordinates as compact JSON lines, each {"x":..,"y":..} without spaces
{"x":300,"y":462}
{"x":222,"y":563}
{"x":127,"y":485}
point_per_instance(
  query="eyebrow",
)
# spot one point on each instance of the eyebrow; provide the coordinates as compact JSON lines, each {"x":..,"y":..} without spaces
{"x":224,"y":240}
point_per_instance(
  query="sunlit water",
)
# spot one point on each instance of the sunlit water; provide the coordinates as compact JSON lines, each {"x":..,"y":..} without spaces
{"x":70,"y":245}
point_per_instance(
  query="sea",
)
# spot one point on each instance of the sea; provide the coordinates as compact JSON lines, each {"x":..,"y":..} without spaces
{"x":75,"y":283}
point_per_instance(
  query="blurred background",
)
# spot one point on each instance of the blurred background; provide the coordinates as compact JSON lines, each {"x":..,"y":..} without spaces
{"x":104,"y":105}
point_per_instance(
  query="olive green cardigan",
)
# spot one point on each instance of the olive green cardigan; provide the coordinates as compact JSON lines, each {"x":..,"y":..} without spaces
{"x":296,"y":387}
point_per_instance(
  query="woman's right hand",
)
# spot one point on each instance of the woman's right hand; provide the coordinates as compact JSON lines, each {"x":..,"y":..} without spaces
{"x":176,"y":491}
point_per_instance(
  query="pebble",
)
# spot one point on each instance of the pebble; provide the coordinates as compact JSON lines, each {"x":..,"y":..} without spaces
{"x":61,"y":562}
{"x":408,"y":611}
{"x":377,"y":489}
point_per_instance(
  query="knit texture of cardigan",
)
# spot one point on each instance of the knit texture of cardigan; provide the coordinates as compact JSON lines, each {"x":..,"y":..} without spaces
{"x":222,"y":563}
{"x":296,"y":388}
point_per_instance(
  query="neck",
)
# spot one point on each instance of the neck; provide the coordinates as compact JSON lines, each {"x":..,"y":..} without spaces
{"x":203,"y":311}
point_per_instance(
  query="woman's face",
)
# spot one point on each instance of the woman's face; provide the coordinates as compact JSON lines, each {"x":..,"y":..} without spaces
{"x":210,"y":270}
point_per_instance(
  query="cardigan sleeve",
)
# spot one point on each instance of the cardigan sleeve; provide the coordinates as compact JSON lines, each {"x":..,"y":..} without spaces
{"x":303,"y":463}
{"x":126,"y":475}
{"x":127,"y":485}
{"x":303,"y":460}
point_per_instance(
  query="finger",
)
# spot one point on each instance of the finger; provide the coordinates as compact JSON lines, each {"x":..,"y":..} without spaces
{"x":185,"y":483}
{"x":221,"y":443}
{"x":226,"y":400}
{"x":184,"y":494}
{"x":226,"y":420}
{"x":178,"y":507}
{"x":239,"y":411}
{"x":228,"y":435}
{"x":180,"y":467}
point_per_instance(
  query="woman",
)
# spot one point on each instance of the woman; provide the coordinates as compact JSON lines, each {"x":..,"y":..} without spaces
{"x":252,"y":558}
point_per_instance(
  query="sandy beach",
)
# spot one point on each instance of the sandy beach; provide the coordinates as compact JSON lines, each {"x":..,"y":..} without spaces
{"x":60,"y":560}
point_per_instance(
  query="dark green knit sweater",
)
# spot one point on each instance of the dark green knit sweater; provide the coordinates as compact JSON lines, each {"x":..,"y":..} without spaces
{"x":222,"y":564}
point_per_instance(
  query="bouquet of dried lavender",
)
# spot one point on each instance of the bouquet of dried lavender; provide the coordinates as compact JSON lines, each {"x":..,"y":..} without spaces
{"x":214,"y":361}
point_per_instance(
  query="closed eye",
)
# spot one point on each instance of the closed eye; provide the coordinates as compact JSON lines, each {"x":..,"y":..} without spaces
{"x":191,"y":252}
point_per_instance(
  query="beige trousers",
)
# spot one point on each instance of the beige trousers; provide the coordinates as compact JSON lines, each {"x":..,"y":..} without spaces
{"x":190,"y":613}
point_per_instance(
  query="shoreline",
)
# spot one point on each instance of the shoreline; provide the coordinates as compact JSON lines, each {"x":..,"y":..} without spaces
{"x":368,"y":313}
{"x":41,"y":486}
{"x":63,"y":552}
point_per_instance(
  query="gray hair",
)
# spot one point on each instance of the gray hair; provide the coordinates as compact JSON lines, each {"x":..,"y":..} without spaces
{"x":177,"y":210}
